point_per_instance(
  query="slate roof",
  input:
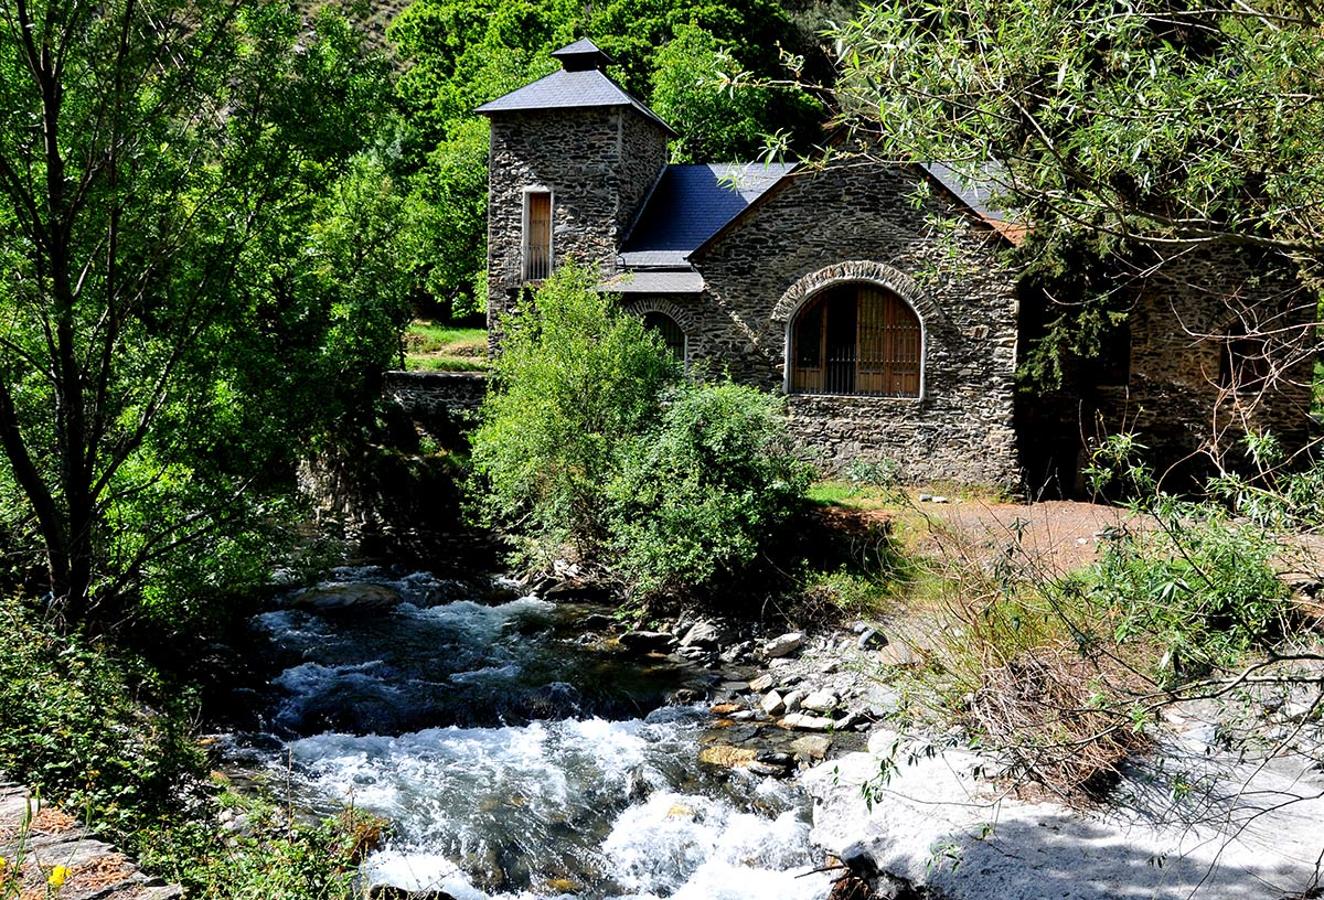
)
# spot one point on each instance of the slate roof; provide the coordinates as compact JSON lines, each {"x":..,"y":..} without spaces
{"x":690,"y":203}
{"x":581,"y":83}
{"x":581,"y":53}
{"x":974,"y":194}
{"x":669,"y":281}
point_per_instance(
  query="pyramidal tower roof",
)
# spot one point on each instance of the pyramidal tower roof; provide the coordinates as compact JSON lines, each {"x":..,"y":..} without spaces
{"x":581,"y":83}
{"x":583,"y":54}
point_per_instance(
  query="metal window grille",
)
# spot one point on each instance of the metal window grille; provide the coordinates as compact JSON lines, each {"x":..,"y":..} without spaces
{"x":857,"y":340}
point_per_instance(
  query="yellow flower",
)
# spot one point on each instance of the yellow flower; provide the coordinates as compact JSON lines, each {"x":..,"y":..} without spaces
{"x":58,"y":876}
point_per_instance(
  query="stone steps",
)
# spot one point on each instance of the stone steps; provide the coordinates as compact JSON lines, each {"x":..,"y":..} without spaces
{"x":36,"y":838}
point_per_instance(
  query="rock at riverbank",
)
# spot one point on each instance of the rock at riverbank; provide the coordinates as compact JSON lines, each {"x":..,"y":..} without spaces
{"x":342,"y":597}
{"x":936,"y":824}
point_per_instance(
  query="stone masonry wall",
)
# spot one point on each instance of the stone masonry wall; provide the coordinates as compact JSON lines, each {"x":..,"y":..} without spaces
{"x":443,"y":403}
{"x":599,"y":163}
{"x":858,"y":222}
{"x":1175,"y":399}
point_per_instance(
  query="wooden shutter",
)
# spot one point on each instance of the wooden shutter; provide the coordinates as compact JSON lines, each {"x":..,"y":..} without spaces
{"x":538,"y":238}
{"x":889,"y":345}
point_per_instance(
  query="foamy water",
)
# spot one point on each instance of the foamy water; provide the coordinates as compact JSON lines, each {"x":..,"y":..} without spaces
{"x":571,"y":804}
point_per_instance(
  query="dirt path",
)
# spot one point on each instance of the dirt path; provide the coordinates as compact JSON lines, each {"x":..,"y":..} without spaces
{"x":51,"y":844}
{"x":1061,"y":535}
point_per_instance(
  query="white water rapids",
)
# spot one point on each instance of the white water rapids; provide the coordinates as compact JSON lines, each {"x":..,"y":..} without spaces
{"x":514,"y":760}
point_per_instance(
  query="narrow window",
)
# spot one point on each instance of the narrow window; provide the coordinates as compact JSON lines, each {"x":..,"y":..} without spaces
{"x":1244,"y":365}
{"x":670,"y":332}
{"x":537,"y":235}
{"x":856,"y":339}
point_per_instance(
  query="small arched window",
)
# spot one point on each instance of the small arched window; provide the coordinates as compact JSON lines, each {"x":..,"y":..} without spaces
{"x":669,"y":330}
{"x":856,"y":338}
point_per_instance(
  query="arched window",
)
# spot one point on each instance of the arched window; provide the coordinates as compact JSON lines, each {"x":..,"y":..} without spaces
{"x":671,"y":333}
{"x":856,"y":338}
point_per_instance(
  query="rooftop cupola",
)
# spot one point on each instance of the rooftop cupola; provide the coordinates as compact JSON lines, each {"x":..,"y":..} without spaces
{"x":582,"y":56}
{"x":581,"y":83}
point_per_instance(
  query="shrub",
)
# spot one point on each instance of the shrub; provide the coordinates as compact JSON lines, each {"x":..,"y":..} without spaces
{"x":95,"y":731}
{"x":577,"y":378}
{"x":699,"y":495}
{"x":1201,"y":586}
{"x":591,"y":445}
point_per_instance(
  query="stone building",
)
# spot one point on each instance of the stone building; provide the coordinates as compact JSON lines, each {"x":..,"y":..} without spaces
{"x":876,"y":297}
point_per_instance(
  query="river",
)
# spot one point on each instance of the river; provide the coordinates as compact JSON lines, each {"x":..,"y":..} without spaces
{"x":516,"y":753}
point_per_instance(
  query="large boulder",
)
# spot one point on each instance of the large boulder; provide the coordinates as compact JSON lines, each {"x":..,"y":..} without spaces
{"x":335,"y":596}
{"x":647,"y":641}
{"x":784,"y":645}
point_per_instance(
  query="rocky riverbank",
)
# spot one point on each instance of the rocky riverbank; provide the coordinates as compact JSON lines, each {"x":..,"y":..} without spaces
{"x":1227,"y":805}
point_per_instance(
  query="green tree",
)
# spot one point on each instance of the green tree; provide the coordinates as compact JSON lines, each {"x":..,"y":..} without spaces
{"x":1147,"y":133}
{"x":191,"y":282}
{"x":576,"y":379}
{"x":693,"y":84}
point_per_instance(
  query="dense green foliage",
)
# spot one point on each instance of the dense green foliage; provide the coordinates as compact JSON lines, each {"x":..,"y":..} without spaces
{"x":684,"y":56}
{"x":590,"y":444}
{"x":699,"y":494}
{"x":198,"y":277}
{"x":109,"y":738}
{"x":101,"y":733}
{"x":575,"y":381}
{"x":1199,"y":586}
{"x":1140,"y":134}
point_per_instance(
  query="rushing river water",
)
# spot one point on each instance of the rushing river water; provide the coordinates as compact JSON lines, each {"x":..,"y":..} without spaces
{"x":515,"y":755}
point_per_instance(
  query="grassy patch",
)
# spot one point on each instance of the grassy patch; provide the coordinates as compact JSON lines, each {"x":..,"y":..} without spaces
{"x":439,"y":347}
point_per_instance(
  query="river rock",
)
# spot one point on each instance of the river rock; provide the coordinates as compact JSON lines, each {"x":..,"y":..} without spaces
{"x":805,"y":722}
{"x":811,"y":747}
{"x":340,"y":597}
{"x":702,"y":634}
{"x":737,"y":652}
{"x":773,"y":704}
{"x":647,"y":641}
{"x":898,"y":654}
{"x":784,"y":645}
{"x":762,"y":683}
{"x":768,"y":769}
{"x":870,"y":638}
{"x":821,"y":701}
{"x":1251,"y":829}
{"x":727,"y":756}
{"x":388,"y":892}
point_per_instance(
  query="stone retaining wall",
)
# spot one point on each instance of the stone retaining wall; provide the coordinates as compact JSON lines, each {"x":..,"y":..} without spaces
{"x":441,"y":403}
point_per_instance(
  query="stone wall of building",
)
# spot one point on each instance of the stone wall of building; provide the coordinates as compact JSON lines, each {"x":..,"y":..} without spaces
{"x":854,"y":222}
{"x":1178,"y":396}
{"x":598,"y":162}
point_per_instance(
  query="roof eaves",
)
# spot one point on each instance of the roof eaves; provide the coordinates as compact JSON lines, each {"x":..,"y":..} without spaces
{"x":1011,"y":232}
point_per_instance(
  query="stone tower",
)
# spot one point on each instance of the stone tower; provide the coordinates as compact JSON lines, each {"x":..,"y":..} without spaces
{"x":573,"y":158}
